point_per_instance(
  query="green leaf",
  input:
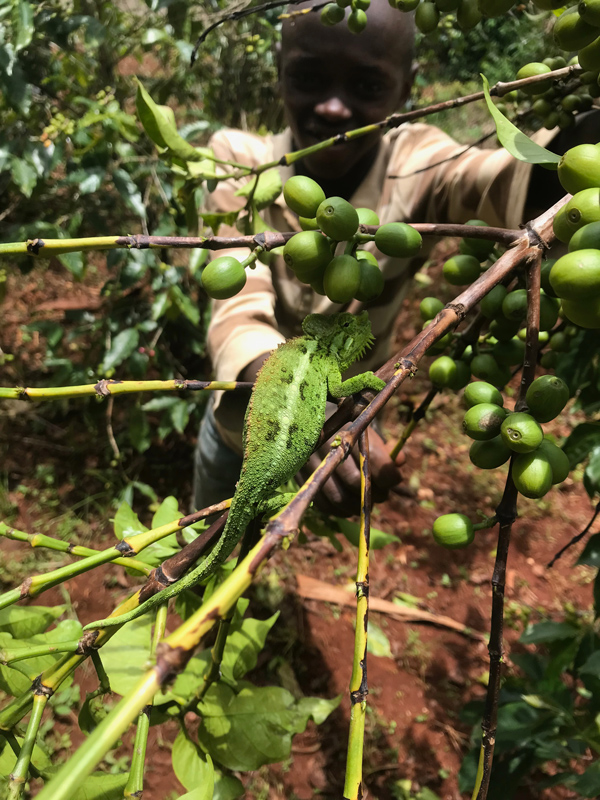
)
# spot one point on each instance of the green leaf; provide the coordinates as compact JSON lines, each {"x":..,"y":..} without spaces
{"x":591,"y":476}
{"x":581,"y":442}
{"x":66,"y":630}
{"x":126,"y":655}
{"x":515,"y":141}
{"x":377,"y":642}
{"x":129,"y":192}
{"x":548,"y":632}
{"x":168,"y":511}
{"x":126,"y":522}
{"x":592,"y":665}
{"x":75,"y":263}
{"x":193,"y":768}
{"x":591,"y":552}
{"x":351,"y":531}
{"x":8,"y":759}
{"x":243,"y":731}
{"x":244,"y":643}
{"x":318,"y":708}
{"x":227,"y":787}
{"x":159,"y":124}
{"x":24,"y":175}
{"x":22,"y":24}
{"x":267,"y":191}
{"x":22,"y":622}
{"x":185,"y":304}
{"x":122,"y":346}
{"x":180,"y":415}
{"x":218,"y":218}
{"x":101,"y":786}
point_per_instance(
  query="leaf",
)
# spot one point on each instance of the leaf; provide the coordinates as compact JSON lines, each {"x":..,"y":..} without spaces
{"x":159,"y":124}
{"x":584,"y":439}
{"x":25,"y":621}
{"x":126,"y":522}
{"x":378,"y":643}
{"x":243,"y":731}
{"x":8,"y":759}
{"x":548,"y":632}
{"x":75,"y":263}
{"x":216,"y":219}
{"x":24,"y":175}
{"x":592,"y":665}
{"x":193,"y":768}
{"x":267,"y":191}
{"x":244,"y":643}
{"x":66,"y":630}
{"x":129,"y":192}
{"x":126,"y":655}
{"x":122,"y":346}
{"x":22,"y":24}
{"x":591,"y":552}
{"x":515,"y":141}
{"x":168,"y":511}
{"x":591,"y":476}
{"x":351,"y":531}
{"x":101,"y":786}
{"x":227,"y":787}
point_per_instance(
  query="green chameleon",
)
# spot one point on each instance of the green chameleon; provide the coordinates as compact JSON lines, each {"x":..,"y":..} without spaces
{"x":283,"y":421}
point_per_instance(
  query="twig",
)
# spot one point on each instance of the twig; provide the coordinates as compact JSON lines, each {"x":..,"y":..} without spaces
{"x":577,"y":538}
{"x":453,"y":157}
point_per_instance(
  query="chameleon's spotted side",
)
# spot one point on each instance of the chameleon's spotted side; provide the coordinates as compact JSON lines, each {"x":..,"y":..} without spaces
{"x":283,"y":421}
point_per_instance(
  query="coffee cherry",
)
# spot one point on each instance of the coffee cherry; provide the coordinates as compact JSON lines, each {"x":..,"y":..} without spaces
{"x":483,"y":421}
{"x":560,"y":342}
{"x":482,"y":392}
{"x":529,"y":71}
{"x":442,"y":371}
{"x":371,"y":281}
{"x":302,"y":194}
{"x":510,"y":353}
{"x":521,"y":432}
{"x":399,"y":240}
{"x":407,"y":5}
{"x":461,"y":378}
{"x":362,"y":4}
{"x":453,"y":531}
{"x":504,"y":329}
{"x":582,"y":208}
{"x":486,"y":367}
{"x":367,"y":217}
{"x":572,"y":33}
{"x":559,"y":461}
{"x":430,"y":307}
{"x":546,"y":397}
{"x":586,"y":238}
{"x":549,"y":307}
{"x":338,"y":218}
{"x":589,"y":11}
{"x":447,"y":5}
{"x":461,"y":270}
{"x":306,"y":253}
{"x":585,"y":313}
{"x":441,"y":344}
{"x":223,"y":277}
{"x":491,"y":304}
{"x":308,"y":224}
{"x":514,"y":306}
{"x":549,"y":360}
{"x":561,"y":227}
{"x":576,"y":275}
{"x":579,"y":168}
{"x":357,"y":22}
{"x":489,"y":454}
{"x":545,"y":276}
{"x":494,"y":8}
{"x":332,"y":14}
{"x":532,"y":475}
{"x":368,"y":256}
{"x":480,"y":248}
{"x":427,"y":17}
{"x":342,"y":279}
{"x":468,"y":15}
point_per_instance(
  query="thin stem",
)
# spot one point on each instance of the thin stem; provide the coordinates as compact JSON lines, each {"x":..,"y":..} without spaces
{"x":18,"y":776}
{"x":108,"y":388}
{"x":21,"y":653}
{"x":359,"y":689}
{"x":577,"y":538}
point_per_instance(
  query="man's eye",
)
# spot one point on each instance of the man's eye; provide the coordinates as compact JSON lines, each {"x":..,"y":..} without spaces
{"x":370,"y":88}
{"x":304,"y":81}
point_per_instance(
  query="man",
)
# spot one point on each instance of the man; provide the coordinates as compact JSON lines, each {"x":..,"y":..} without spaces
{"x":332,"y":81}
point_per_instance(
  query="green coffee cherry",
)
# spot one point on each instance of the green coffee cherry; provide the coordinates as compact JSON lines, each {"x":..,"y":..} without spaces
{"x":441,"y":344}
{"x":491,"y":304}
{"x":545,"y":276}
{"x":461,"y":270}
{"x":462,"y":376}
{"x":572,"y":33}
{"x":582,"y":208}
{"x":579,"y":168}
{"x":453,"y":531}
{"x":406,"y":5}
{"x":302,"y":194}
{"x":357,"y":22}
{"x":510,"y":353}
{"x":560,"y":342}
{"x":337,"y":218}
{"x":442,"y":371}
{"x":494,"y":8}
{"x":589,"y":11}
{"x":399,"y":240}
{"x":306,"y":253}
{"x":447,"y":5}
{"x":504,"y":329}
{"x":368,"y":256}
{"x":561,"y":227}
{"x":371,"y":281}
{"x":332,"y":14}
{"x":549,"y":360}
{"x":223,"y":277}
{"x":468,"y":15}
{"x":483,"y":421}
{"x":558,"y":459}
{"x":489,"y":454}
{"x":588,"y":237}
{"x":308,"y":224}
{"x":576,"y":276}
{"x":342,"y":279}
{"x":585,"y":313}
{"x":427,"y":17}
{"x":486,"y":367}
{"x":430,"y":307}
{"x":532,"y":475}
{"x":521,"y":432}
{"x":482,"y":392}
{"x":514,"y":306}
{"x":549,"y":307}
{"x":546,"y":397}
{"x":529,"y":71}
{"x":480,"y":248}
{"x":367,"y":217}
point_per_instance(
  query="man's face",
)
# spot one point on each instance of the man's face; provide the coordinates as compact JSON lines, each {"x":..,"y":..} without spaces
{"x":333,"y":81}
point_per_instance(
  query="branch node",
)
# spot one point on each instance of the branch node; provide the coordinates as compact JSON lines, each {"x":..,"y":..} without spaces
{"x":39,"y":689}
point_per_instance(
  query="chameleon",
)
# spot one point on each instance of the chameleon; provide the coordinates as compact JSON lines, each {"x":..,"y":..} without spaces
{"x":283,"y":421}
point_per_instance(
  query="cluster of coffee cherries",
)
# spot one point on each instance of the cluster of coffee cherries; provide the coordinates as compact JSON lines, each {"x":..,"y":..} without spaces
{"x":333,"y":13}
{"x":498,"y":434}
{"x":326,"y":223}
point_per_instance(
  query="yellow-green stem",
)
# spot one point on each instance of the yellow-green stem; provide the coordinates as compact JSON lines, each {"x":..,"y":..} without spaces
{"x":18,"y":776}
{"x":106,"y":388}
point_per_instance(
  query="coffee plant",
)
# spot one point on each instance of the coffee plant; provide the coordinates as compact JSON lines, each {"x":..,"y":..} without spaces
{"x":517,"y":312}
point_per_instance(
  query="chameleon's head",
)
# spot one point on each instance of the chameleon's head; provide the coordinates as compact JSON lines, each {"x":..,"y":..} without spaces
{"x":346,"y":336}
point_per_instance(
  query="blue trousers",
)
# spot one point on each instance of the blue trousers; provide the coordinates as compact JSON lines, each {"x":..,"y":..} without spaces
{"x":216,"y":466}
